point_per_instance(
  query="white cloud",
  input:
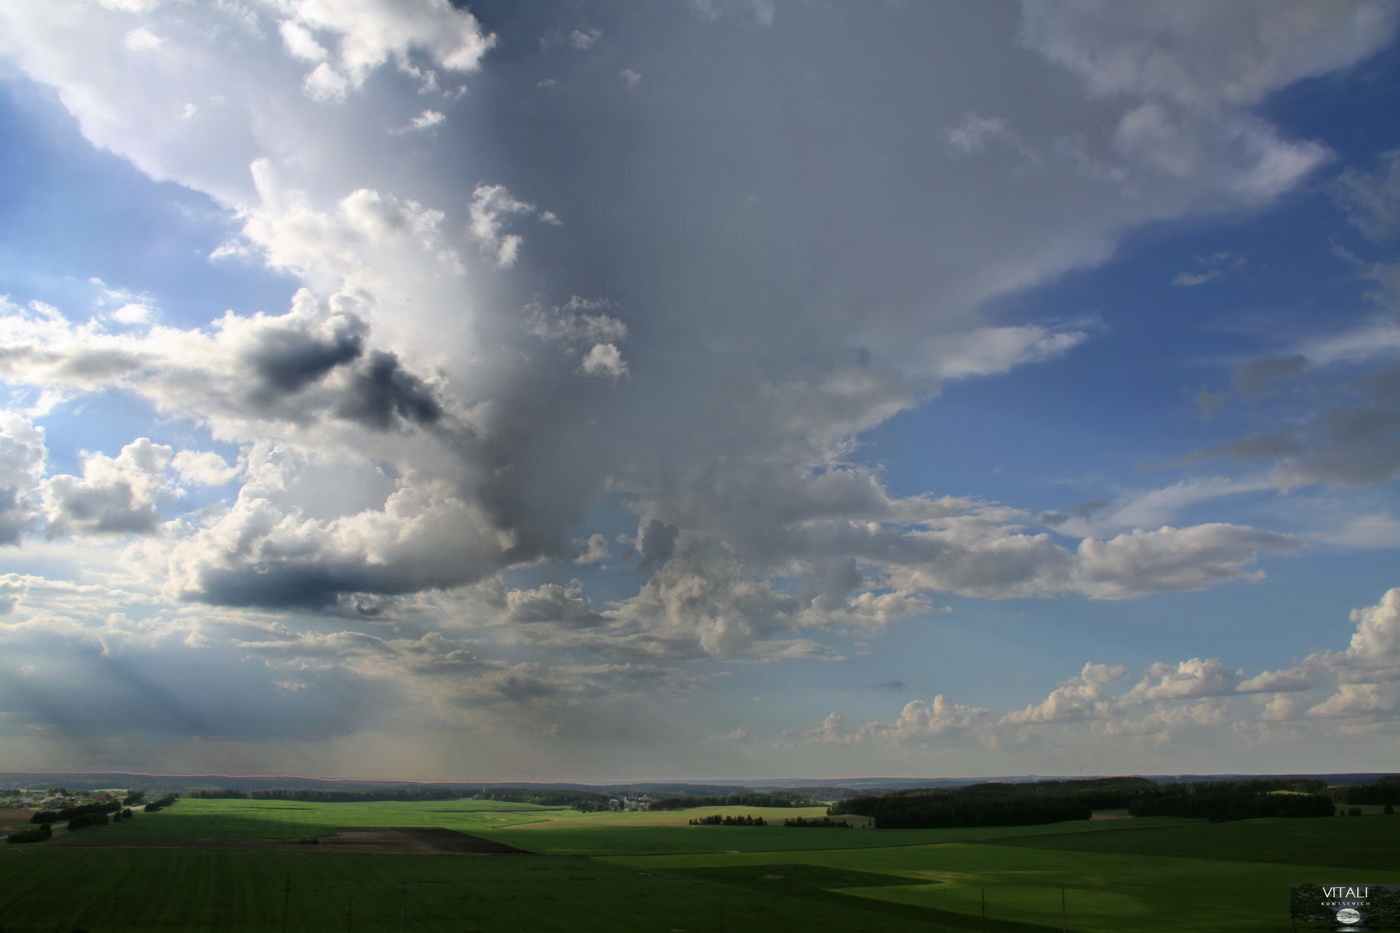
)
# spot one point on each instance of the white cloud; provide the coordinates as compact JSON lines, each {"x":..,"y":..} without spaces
{"x":989,"y":351}
{"x":301,"y":42}
{"x":370,"y":32}
{"x":1083,"y":697}
{"x":427,"y":119}
{"x":585,"y":38}
{"x":918,"y":722}
{"x":595,"y":550}
{"x":604,"y":359}
{"x":142,"y":39}
{"x":489,"y":204}
{"x":1193,"y":558}
{"x":203,"y":468}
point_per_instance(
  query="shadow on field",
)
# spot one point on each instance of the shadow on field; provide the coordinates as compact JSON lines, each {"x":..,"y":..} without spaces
{"x":818,"y":883}
{"x":379,"y":840}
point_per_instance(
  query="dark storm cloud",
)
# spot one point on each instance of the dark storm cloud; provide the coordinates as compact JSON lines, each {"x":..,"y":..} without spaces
{"x":382,"y":393}
{"x":1261,"y":375}
{"x":286,"y":360}
{"x":656,"y":542}
{"x":315,"y":583}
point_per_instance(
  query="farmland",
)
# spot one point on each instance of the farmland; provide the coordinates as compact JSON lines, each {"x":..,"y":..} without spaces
{"x":650,"y":871}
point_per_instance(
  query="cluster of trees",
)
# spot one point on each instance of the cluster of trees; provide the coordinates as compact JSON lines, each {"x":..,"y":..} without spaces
{"x":162,"y":803}
{"x":1386,"y":790}
{"x":728,"y":800}
{"x":717,"y":820}
{"x":824,"y":822}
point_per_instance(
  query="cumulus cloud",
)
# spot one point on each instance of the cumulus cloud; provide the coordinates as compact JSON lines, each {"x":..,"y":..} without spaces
{"x":415,"y":424}
{"x":1358,"y":687}
{"x":490,"y":203}
{"x":297,"y":368}
{"x":12,"y":590}
{"x":22,"y":455}
{"x":604,"y":359}
{"x":367,"y":33}
{"x":918,"y":722}
{"x":595,"y":550}
{"x":114,"y":496}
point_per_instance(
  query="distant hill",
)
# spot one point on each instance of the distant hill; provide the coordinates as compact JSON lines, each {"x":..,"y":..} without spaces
{"x":828,"y":789}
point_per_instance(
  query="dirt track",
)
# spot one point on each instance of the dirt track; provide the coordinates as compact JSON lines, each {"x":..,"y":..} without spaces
{"x":388,"y":840}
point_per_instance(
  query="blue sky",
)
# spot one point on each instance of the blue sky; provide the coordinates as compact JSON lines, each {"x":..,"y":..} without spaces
{"x":718,"y":389}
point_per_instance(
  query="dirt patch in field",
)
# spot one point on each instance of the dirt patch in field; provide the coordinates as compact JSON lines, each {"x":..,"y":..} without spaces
{"x":11,"y":820}
{"x":414,"y":839}
{"x":1110,"y":815}
{"x":389,"y":840}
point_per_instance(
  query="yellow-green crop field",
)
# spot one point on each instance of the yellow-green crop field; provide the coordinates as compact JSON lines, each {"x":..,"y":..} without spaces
{"x":623,"y":872}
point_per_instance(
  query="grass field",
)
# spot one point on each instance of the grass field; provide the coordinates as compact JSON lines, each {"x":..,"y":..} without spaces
{"x":1364,"y":843}
{"x":627,"y":872}
{"x":645,"y":833}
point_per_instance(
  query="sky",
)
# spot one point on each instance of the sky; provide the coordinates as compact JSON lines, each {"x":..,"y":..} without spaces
{"x":704,"y":389}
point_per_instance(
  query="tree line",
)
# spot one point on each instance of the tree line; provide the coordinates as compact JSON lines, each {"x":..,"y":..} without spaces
{"x":1385,"y":790}
{"x":717,"y":820}
{"x":821,"y":822}
{"x":1039,"y":802}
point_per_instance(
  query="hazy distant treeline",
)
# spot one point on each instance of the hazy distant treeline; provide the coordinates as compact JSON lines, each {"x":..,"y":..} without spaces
{"x":577,"y":800}
{"x":1384,"y":790}
{"x":731,"y":800}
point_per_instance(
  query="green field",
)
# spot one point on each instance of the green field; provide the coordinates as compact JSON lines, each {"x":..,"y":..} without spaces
{"x":651,"y":872}
{"x":278,"y":819}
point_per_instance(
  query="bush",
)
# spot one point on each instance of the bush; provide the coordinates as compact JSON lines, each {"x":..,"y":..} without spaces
{"x":38,"y":834}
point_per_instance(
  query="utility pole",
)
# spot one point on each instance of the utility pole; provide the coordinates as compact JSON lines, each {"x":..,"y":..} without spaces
{"x":286,"y":901}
